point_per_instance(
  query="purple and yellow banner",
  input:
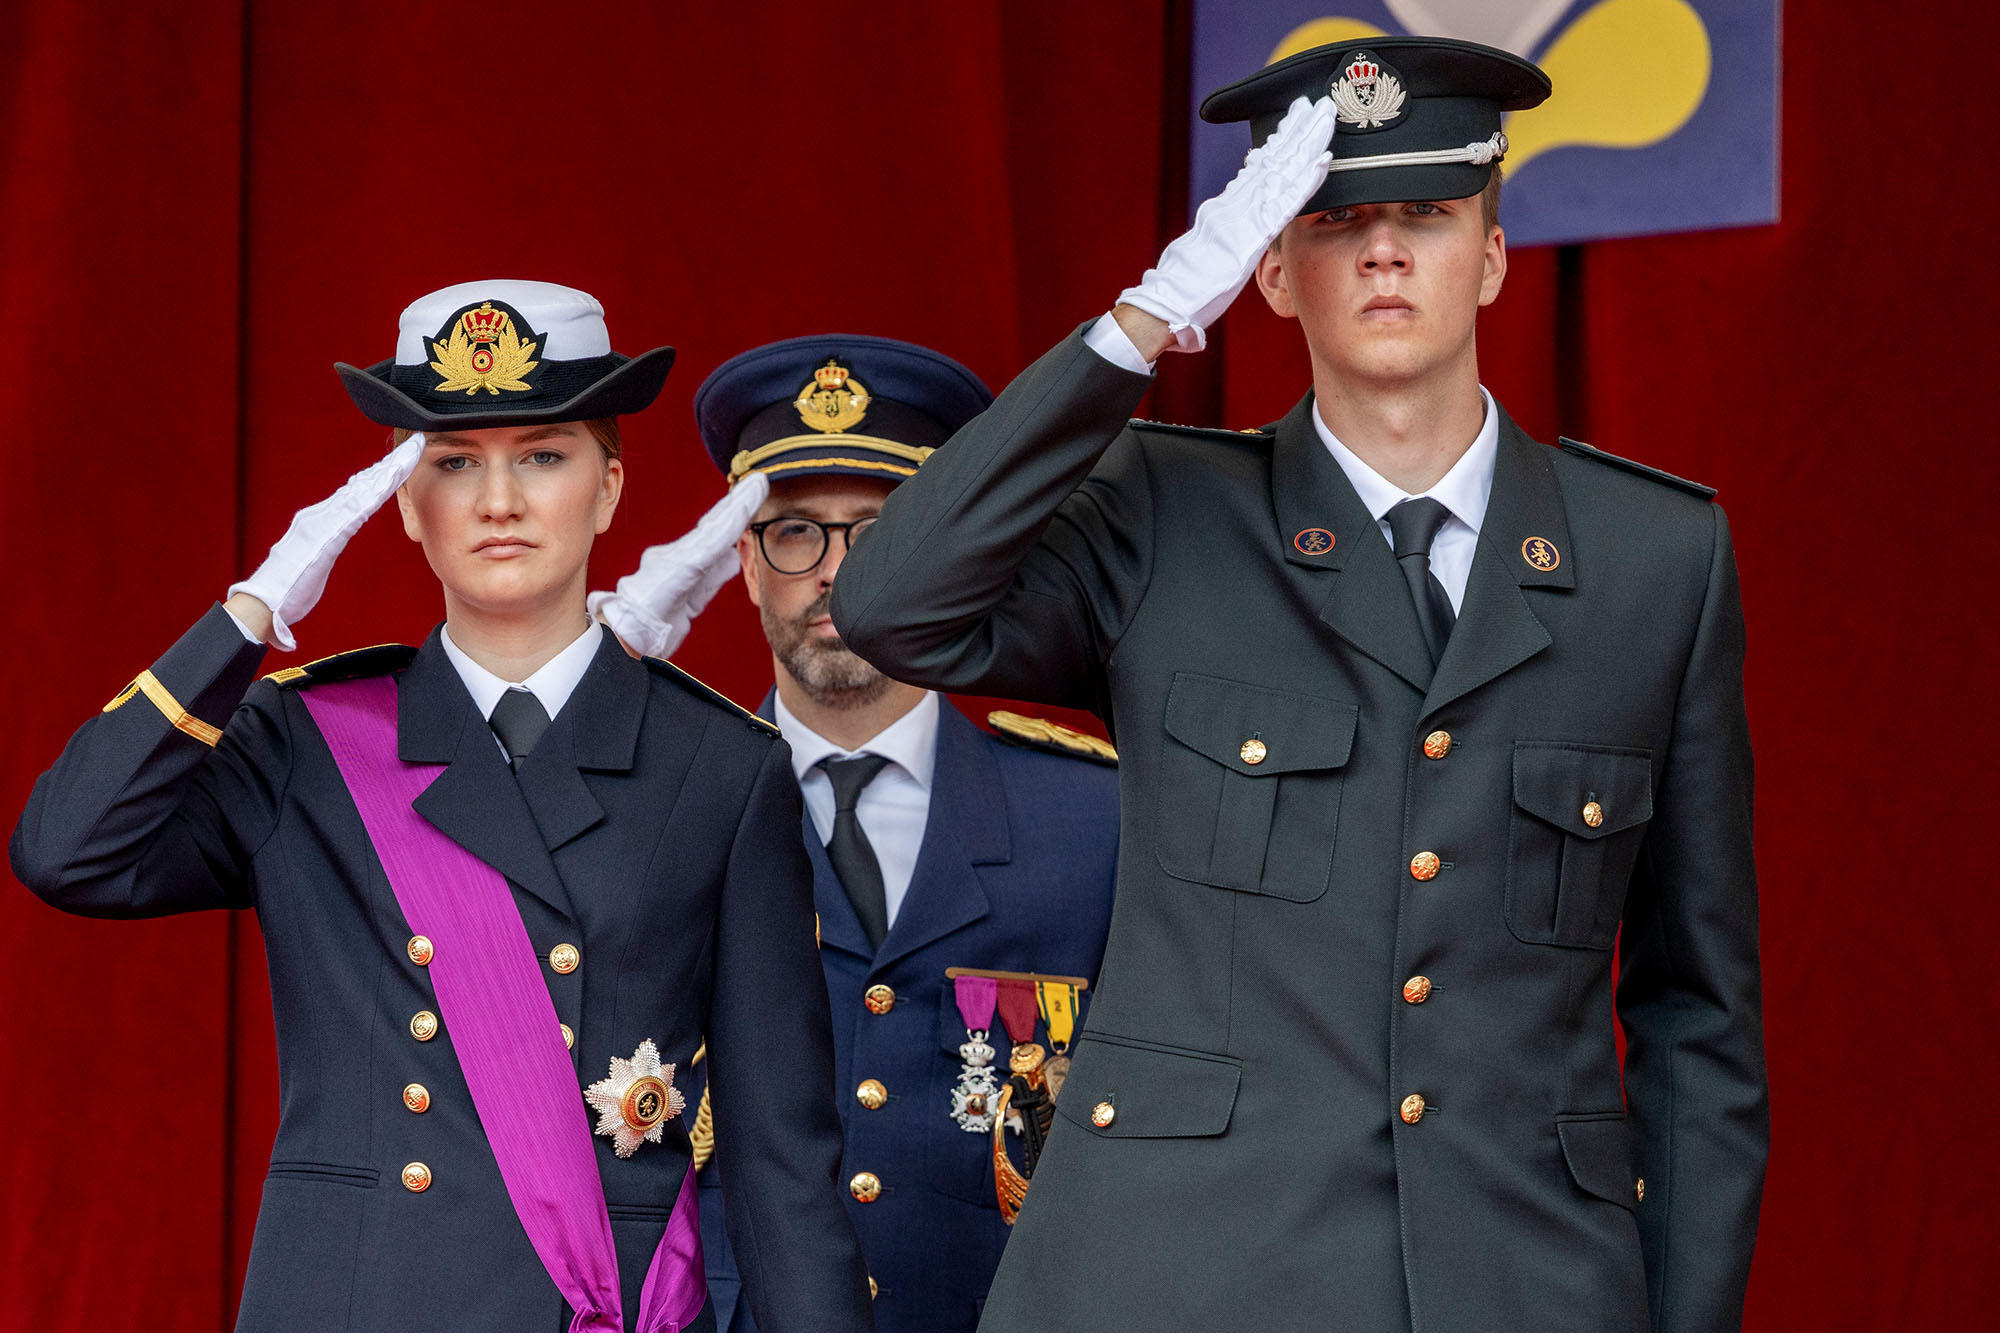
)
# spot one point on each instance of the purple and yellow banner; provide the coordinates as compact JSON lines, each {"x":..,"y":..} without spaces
{"x":1664,"y":118}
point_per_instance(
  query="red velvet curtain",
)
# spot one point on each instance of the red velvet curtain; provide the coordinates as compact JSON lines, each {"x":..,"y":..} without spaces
{"x":202,"y":205}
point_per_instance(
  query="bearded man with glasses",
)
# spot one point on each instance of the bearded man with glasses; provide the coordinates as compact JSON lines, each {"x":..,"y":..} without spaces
{"x":934,"y":844}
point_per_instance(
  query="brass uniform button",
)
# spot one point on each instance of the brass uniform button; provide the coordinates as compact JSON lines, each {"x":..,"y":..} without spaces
{"x":865,"y":1187}
{"x":1413,"y":1108}
{"x":1103,"y":1114}
{"x":417,"y":1097}
{"x":871,"y":1094}
{"x":1593,"y":814}
{"x":1437,"y":745}
{"x":564,"y":958}
{"x":1641,"y":1191}
{"x":873,"y":1290}
{"x":1253,"y":751}
{"x":423,"y":1025}
{"x":416,"y":1177}
{"x":1424,"y":865}
{"x":1416,"y":990}
{"x":879,"y":999}
{"x":421,"y":951}
{"x":569,"y":1036}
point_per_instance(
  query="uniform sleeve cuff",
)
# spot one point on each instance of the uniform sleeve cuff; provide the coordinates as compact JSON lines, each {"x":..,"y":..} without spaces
{"x":1109,"y":341}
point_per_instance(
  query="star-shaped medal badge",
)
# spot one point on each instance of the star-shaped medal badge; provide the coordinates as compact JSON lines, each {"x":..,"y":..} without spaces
{"x":634,"y":1103}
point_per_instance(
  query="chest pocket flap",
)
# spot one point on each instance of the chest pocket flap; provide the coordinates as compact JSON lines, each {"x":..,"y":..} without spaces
{"x":1298,"y":732}
{"x":1559,"y":783}
{"x":1249,"y":786}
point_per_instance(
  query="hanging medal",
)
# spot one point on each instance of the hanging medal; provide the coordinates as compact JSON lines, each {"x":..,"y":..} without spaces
{"x":1058,"y":1005}
{"x":973,"y":1097}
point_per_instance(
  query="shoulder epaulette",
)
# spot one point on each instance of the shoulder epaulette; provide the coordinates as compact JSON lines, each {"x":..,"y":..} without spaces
{"x":1212,"y":432}
{"x":376,"y":661}
{"x":1582,"y":450}
{"x":1038,"y":733}
{"x":701,"y":691}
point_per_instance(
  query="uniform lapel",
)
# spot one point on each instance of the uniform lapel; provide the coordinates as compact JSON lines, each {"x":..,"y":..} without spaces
{"x":1368,"y":603}
{"x":967,"y":828}
{"x":475,"y":802}
{"x":1497,"y":628}
{"x":598,"y":729}
{"x":839,"y":927}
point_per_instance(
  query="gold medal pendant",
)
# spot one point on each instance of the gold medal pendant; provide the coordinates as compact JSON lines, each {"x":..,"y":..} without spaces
{"x":635,"y":1103}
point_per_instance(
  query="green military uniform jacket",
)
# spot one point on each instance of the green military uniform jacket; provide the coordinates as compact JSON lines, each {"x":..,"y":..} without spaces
{"x":1352,"y":1061}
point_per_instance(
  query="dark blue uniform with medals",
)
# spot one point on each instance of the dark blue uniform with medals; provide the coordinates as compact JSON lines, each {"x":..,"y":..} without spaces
{"x":632,"y":838}
{"x":1015,"y":873}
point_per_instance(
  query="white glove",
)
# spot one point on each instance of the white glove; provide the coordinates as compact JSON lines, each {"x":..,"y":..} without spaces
{"x":1201,"y":272}
{"x":293,"y":576}
{"x":656,"y":604}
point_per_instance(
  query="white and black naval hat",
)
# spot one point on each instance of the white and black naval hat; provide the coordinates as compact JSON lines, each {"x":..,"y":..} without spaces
{"x":1419,"y":117}
{"x":504,"y":352}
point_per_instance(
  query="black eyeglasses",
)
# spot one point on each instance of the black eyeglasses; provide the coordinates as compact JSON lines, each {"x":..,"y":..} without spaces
{"x":797,"y":545}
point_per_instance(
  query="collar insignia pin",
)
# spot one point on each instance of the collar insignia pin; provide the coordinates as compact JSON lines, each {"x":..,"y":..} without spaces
{"x":1367,"y":95}
{"x":634,"y":1104}
{"x":832,"y":401}
{"x":1314,"y":541}
{"x":1541,"y":553}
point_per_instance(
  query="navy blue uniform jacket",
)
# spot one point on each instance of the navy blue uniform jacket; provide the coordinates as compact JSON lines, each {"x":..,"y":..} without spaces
{"x":637,"y":832}
{"x":1016,"y":873}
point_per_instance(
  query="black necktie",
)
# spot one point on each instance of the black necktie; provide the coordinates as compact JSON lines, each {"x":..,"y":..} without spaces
{"x":1413,"y":526}
{"x":519,"y":721}
{"x":853,"y":859}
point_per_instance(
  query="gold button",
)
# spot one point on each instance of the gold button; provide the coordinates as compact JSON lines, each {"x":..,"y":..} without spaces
{"x":1593,"y":814}
{"x":1416,"y":990}
{"x":564,"y":958}
{"x":1413,"y":1108}
{"x":1103,"y":1114}
{"x":423,"y":1025}
{"x":569,"y":1036}
{"x":417,"y":1097}
{"x":1437,"y":745}
{"x":865,"y":1187}
{"x":1641,"y":1191}
{"x":416,"y":1177}
{"x":421,"y":950}
{"x":879,"y":999}
{"x":1253,"y":751}
{"x":873,"y":1290}
{"x":1424,"y":865}
{"x":871,"y":1094}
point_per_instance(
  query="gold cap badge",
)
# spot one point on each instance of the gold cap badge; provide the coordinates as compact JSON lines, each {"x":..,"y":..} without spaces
{"x":481,"y":347}
{"x":832,"y":401}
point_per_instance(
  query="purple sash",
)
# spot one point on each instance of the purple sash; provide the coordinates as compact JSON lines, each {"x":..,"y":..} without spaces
{"x":490,"y":989}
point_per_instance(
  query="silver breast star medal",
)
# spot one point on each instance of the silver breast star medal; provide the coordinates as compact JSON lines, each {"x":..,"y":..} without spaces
{"x":634,"y":1104}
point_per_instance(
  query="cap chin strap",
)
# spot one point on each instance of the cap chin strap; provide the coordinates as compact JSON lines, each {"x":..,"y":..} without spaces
{"x":1478,"y":154}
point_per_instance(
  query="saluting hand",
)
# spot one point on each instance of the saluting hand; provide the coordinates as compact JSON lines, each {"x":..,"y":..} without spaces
{"x":1201,"y":272}
{"x":656,"y":604}
{"x":289,"y":582}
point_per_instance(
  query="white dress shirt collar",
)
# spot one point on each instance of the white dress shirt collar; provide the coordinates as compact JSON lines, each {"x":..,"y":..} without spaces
{"x":910,"y":742}
{"x":1464,"y":490}
{"x":552,"y":685}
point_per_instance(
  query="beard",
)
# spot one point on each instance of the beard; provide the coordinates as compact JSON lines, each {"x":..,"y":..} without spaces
{"x":826,"y":669}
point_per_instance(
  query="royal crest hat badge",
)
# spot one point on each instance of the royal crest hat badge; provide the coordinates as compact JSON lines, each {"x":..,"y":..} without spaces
{"x":486,"y":346}
{"x":1367,"y":94}
{"x":832,"y":401}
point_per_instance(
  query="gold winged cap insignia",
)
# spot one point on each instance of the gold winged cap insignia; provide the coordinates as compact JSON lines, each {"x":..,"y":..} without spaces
{"x":483,"y":352}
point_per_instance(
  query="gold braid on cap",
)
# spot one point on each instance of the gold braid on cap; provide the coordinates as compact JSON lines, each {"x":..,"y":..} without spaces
{"x":753,"y":460}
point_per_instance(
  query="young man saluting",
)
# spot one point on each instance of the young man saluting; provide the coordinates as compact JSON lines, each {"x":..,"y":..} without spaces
{"x":1414,"y":713}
